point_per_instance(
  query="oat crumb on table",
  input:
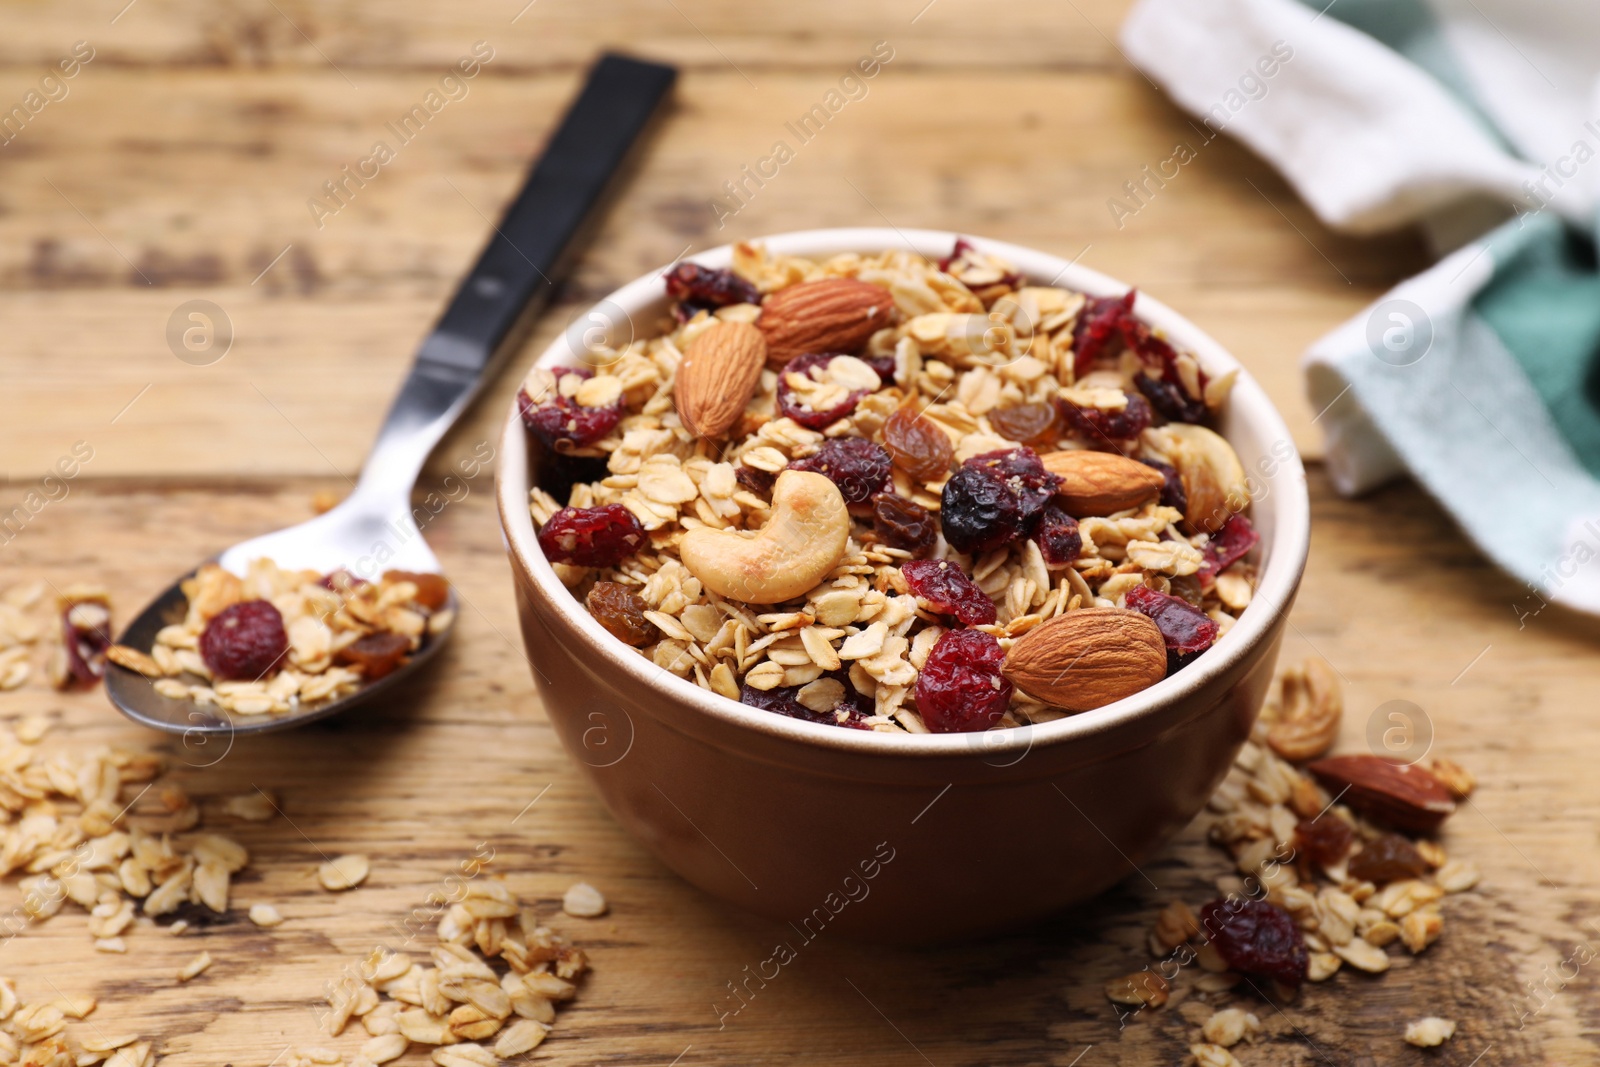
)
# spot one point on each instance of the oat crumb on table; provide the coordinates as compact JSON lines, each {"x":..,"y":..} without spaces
{"x":1430,"y":1031}
{"x":584,"y":901}
{"x":343,"y":872}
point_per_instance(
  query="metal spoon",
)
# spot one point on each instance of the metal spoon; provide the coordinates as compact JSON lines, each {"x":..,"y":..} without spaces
{"x":486,"y":318}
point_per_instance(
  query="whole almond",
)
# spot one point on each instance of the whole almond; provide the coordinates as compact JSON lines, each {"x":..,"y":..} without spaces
{"x":1402,"y":795}
{"x":1099,"y":483}
{"x":1087,"y":659}
{"x":831,"y":315}
{"x":718,"y":374}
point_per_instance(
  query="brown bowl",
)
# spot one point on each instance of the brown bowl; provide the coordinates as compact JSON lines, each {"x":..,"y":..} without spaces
{"x":907,"y":839}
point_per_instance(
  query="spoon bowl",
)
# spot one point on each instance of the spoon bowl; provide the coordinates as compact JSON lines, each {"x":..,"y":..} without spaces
{"x":374,"y":531}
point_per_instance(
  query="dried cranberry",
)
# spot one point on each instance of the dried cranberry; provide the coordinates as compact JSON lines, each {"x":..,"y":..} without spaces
{"x":1025,"y":424}
{"x":995,"y":499}
{"x":1095,"y":426}
{"x":1059,"y":540}
{"x":85,"y":636}
{"x":432,"y":589}
{"x":960,"y":687}
{"x":1185,"y":628}
{"x":1172,"y":491}
{"x":592,"y":537}
{"x":560,"y":421}
{"x":342,"y":580}
{"x":790,"y":405}
{"x":376,"y":655}
{"x":245,"y":641}
{"x":1099,"y":324}
{"x":621,"y":611}
{"x":948,"y":590}
{"x":850,"y":711}
{"x":698,"y":288}
{"x":755,"y":479}
{"x":1227,"y":546}
{"x":1256,"y":938}
{"x":900,"y":523}
{"x":961,"y":248}
{"x":917,"y":444}
{"x":1389,"y":858}
{"x":883,"y":366}
{"x":1171,"y":399}
{"x":857,"y":466}
{"x":1324,"y":840}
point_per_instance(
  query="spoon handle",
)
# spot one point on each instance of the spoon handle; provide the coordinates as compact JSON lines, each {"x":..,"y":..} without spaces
{"x":517,"y":273}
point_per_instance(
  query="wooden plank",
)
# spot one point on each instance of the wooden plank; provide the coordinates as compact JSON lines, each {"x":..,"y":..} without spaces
{"x":117,"y":218}
{"x":418,"y":781}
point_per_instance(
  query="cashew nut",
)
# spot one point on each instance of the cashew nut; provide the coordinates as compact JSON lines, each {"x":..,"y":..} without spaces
{"x":1213,"y":479}
{"x":803,"y":540}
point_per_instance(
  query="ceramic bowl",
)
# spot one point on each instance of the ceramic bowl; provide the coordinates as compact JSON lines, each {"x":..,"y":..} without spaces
{"x":899,"y":838}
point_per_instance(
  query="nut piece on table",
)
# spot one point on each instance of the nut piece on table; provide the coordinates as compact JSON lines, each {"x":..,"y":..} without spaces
{"x":1141,"y":988}
{"x":1089,"y":658}
{"x":803,"y":540}
{"x":830,"y":315}
{"x":718,"y":374}
{"x":1401,"y":794}
{"x":584,"y":901}
{"x":1213,"y":478}
{"x":1311,"y":709}
{"x":1430,"y":1031}
{"x":1099,"y":483}
{"x":343,"y":872}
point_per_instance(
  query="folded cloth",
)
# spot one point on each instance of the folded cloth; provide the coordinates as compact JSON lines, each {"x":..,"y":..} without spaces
{"x":1481,"y":376}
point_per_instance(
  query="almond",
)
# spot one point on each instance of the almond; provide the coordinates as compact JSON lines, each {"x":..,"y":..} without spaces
{"x":1099,"y":483}
{"x":1087,"y":659}
{"x":718,"y":374}
{"x":831,"y":315}
{"x":1401,"y":794}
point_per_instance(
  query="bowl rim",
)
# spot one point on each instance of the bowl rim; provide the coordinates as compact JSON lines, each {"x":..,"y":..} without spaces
{"x":1285,"y":493}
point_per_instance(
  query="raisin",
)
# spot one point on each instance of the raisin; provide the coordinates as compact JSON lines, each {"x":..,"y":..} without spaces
{"x":1026,"y":424}
{"x":1186,"y":587}
{"x":561,"y":422}
{"x":1389,"y":858}
{"x":1100,"y":324}
{"x":592,"y":537}
{"x":1227,"y":546}
{"x":1096,"y":426}
{"x":918,"y":446}
{"x":1185,"y":628}
{"x":790,"y":405}
{"x":960,"y":687}
{"x":1059,"y":540}
{"x":851,"y":710}
{"x":857,"y":466}
{"x":1256,"y":938}
{"x":432,"y":589}
{"x":698,"y":288}
{"x":1324,"y":840}
{"x":948,"y":590}
{"x":755,"y":479}
{"x":995,"y":499}
{"x":376,"y":655}
{"x":899,"y":523}
{"x":621,"y":611}
{"x":1171,"y":399}
{"x":1173,"y":494}
{"x":245,"y":641}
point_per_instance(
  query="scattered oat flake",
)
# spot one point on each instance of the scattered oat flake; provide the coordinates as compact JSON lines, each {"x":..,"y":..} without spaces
{"x":32,"y":728}
{"x":1430,"y":1031}
{"x":1209,"y":1055}
{"x":195,"y":967}
{"x":583,"y":901}
{"x":110,"y":944}
{"x":178,"y":927}
{"x":343,"y":872}
{"x":251,"y":807}
{"x":265,"y":915}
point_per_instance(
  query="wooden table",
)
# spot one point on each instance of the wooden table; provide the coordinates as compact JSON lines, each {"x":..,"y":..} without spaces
{"x":179,"y":167}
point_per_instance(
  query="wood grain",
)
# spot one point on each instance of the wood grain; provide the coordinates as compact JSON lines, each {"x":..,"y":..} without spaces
{"x":419,"y":781}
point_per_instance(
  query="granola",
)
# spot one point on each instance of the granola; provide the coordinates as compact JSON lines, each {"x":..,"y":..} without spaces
{"x":748,"y":483}
{"x":279,"y":640}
